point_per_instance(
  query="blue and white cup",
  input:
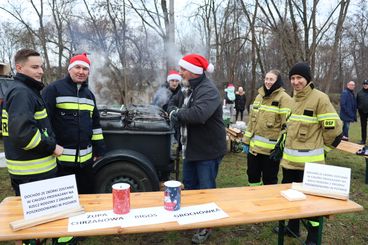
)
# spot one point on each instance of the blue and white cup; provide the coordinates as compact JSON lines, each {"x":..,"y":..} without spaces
{"x":172,"y":195}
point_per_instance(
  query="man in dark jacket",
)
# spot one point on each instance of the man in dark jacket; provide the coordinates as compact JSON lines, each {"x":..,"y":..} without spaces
{"x":202,"y":127}
{"x":362,"y":103}
{"x":29,"y":142}
{"x":348,"y":107}
{"x":76,"y":122}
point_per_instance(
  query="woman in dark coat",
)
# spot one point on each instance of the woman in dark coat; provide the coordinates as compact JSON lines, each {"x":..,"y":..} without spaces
{"x":240,"y":101}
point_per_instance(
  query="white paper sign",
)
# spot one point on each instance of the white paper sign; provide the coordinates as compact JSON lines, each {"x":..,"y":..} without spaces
{"x":49,"y":196}
{"x":199,"y":213}
{"x":327,"y":178}
{"x":148,"y":216}
{"x":95,"y":220}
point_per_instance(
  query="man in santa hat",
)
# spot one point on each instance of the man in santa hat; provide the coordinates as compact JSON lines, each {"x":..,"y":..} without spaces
{"x":168,"y":90}
{"x":72,"y":108}
{"x":198,"y":111}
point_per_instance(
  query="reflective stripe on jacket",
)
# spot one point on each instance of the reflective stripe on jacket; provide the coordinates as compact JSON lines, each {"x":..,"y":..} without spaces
{"x":29,"y":141}
{"x":75,"y":120}
{"x":267,"y":118}
{"x":312,"y":129}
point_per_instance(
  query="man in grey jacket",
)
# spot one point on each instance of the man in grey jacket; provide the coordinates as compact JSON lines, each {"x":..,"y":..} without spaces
{"x":199,"y":113}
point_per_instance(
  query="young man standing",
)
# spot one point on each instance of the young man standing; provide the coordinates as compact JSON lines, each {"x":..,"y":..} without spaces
{"x":29,"y":142}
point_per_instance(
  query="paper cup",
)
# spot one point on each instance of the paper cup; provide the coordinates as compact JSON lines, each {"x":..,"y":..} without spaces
{"x":172,"y":195}
{"x":121,"y":198}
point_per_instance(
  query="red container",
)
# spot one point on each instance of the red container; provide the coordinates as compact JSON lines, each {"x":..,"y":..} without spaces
{"x":121,"y":198}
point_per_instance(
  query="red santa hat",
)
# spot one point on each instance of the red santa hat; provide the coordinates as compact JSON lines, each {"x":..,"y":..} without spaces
{"x":173,"y":75}
{"x":230,"y":85}
{"x":196,"y":64}
{"x":80,"y":59}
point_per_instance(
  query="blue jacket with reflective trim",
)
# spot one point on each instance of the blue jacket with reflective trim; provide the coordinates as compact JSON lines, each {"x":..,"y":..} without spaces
{"x":75,"y":120}
{"x":28,"y":137}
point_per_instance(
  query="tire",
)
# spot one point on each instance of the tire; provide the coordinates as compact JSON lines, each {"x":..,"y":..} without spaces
{"x":123,"y":172}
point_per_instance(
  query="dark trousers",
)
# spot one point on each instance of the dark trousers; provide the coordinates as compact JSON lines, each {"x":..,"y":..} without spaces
{"x":261,"y":167}
{"x":241,"y":114}
{"x":289,"y":176}
{"x":84,"y":176}
{"x":363,"y":125}
{"x":31,"y":178}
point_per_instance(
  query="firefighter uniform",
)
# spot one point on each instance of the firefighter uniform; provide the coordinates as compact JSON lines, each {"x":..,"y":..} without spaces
{"x":75,"y":120}
{"x":313,"y":129}
{"x":267,"y":118}
{"x":28,"y":137}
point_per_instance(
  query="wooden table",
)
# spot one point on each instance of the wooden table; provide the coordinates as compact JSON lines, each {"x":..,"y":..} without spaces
{"x":244,"y":205}
{"x":353,"y":148}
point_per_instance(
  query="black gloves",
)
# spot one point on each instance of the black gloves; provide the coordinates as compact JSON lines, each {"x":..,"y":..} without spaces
{"x":276,"y":154}
{"x":173,"y":116}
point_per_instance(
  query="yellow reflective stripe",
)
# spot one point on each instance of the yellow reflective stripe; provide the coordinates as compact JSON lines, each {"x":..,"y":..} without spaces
{"x":327,"y":148}
{"x":269,"y":108}
{"x":4,"y":123}
{"x":75,"y":106}
{"x":303,"y":118}
{"x":327,"y":116}
{"x":35,"y":166}
{"x":97,"y":137}
{"x":262,"y":144}
{"x":313,"y":223}
{"x":303,"y":158}
{"x":36,"y":139}
{"x":285,"y":110}
{"x":40,"y":114}
{"x":80,"y":159}
{"x":255,"y":184}
{"x":247,"y":134}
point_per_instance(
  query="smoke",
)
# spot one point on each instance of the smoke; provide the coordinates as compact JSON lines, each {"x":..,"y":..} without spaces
{"x":98,"y":79}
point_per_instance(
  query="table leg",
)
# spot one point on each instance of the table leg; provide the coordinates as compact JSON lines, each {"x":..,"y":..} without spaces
{"x":366,"y":170}
{"x":281,"y":233}
{"x":320,"y":228}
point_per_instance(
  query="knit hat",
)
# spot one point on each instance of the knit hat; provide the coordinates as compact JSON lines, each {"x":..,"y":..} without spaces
{"x":301,"y":69}
{"x":80,"y":59}
{"x":196,"y":64}
{"x":365,"y":81}
{"x":173,"y":75}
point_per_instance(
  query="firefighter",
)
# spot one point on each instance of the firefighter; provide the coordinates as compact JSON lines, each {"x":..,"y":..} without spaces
{"x":29,"y":142}
{"x":267,"y":119}
{"x":313,"y":129}
{"x":75,"y":120}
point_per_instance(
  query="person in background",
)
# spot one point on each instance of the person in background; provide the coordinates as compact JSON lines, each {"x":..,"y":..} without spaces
{"x":230,"y":99}
{"x":362,"y":104}
{"x":29,"y":142}
{"x":240,"y":101}
{"x":267,"y":120}
{"x":348,"y":108}
{"x":313,"y":129}
{"x":203,"y":136}
{"x":168,"y":90}
{"x":76,"y":122}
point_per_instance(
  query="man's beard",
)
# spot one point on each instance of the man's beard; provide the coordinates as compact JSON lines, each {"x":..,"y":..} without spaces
{"x":185,"y":83}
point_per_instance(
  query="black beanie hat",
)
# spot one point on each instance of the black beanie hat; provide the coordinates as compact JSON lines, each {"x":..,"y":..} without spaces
{"x":301,"y":69}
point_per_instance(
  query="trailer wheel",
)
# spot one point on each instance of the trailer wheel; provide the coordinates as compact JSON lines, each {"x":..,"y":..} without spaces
{"x":123,"y":172}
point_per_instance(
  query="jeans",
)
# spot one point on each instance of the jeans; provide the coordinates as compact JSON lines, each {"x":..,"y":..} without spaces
{"x":200,"y":174}
{"x":345,"y":129}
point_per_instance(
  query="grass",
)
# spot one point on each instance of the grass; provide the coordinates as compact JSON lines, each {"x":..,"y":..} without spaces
{"x":342,"y":229}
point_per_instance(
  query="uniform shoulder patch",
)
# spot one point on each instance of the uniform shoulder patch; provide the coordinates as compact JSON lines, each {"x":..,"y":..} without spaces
{"x":329,"y":124}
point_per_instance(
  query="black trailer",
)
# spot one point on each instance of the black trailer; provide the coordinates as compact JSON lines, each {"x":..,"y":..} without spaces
{"x":138,"y":140}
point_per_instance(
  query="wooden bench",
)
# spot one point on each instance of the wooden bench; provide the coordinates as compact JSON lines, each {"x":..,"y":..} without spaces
{"x":353,"y":148}
{"x":244,"y":205}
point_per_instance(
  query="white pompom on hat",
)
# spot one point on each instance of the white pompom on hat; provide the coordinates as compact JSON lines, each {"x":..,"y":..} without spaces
{"x":196,"y":64}
{"x":80,"y":59}
{"x":173,"y":75}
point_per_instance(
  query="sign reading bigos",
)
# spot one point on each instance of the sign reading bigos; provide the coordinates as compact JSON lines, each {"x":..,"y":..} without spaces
{"x":49,"y":196}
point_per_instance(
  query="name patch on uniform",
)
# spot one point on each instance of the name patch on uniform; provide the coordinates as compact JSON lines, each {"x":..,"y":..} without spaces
{"x":308,"y":113}
{"x":329,"y":124}
{"x":275,"y":103}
